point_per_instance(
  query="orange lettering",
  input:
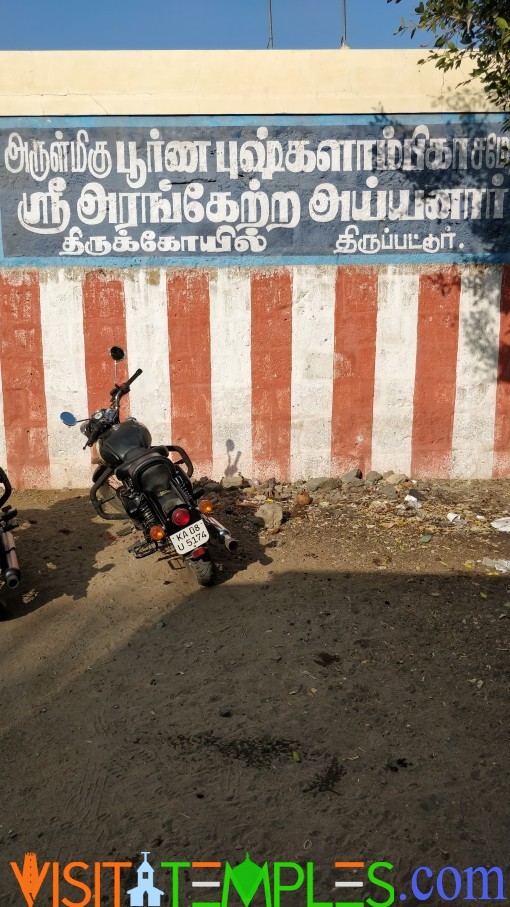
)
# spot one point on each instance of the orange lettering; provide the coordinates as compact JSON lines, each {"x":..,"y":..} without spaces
{"x":30,"y":878}
{"x":116,"y":879}
{"x":77,"y":884}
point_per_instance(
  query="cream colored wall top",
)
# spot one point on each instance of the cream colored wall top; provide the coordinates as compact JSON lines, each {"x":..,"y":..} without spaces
{"x":34,"y":83}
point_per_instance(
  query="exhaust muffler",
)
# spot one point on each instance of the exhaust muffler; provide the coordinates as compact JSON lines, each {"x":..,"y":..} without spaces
{"x":11,"y":574}
{"x":221,"y":534}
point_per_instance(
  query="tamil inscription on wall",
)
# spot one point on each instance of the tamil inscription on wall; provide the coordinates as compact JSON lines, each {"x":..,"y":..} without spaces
{"x":225,"y":189}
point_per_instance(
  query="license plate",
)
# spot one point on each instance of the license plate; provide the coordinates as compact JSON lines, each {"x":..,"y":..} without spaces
{"x":190,"y":537}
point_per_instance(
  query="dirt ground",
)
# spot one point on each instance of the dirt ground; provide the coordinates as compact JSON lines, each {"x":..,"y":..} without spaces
{"x":341,"y":693}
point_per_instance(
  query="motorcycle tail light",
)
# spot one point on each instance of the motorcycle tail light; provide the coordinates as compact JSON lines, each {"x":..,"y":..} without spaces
{"x":157,"y":533}
{"x":198,"y":552}
{"x":206,"y":506}
{"x":181,"y":517}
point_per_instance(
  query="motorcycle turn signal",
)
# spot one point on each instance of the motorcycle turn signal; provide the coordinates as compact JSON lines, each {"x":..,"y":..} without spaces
{"x":205,"y":506}
{"x":157,"y":533}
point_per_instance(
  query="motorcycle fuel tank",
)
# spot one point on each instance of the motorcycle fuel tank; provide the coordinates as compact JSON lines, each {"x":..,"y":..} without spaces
{"x":120,"y":439}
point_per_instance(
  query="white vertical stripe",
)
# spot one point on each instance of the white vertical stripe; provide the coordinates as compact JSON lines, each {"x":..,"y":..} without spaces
{"x":147,"y":347}
{"x":313,"y":328}
{"x":64,"y":375}
{"x":477,"y":369}
{"x":395,"y":370}
{"x":230,"y":325}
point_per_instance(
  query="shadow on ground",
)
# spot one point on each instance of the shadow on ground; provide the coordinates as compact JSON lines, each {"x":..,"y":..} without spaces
{"x":59,"y":547}
{"x":316,"y":716}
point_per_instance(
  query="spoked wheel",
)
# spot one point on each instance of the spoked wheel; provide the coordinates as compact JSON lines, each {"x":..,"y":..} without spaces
{"x":203,"y":569}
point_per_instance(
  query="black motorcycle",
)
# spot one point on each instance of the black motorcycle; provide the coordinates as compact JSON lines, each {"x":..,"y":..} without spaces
{"x":155,"y":492}
{"x":10,"y":573}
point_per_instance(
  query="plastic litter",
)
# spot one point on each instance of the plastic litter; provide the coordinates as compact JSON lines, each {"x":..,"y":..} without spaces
{"x":456,"y":519}
{"x":502,"y":525}
{"x":500,"y":565}
{"x":413,"y":502}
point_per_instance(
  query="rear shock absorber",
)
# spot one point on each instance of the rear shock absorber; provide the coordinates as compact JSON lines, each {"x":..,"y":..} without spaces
{"x":146,"y":516}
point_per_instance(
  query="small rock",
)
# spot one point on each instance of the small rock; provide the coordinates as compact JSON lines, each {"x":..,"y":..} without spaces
{"x":232,"y":481}
{"x":336,"y":495}
{"x":303,"y":498}
{"x":270,"y":514}
{"x":314,"y":484}
{"x":282,"y":492}
{"x":355,"y":488}
{"x":350,"y":476}
{"x":396,"y":478}
{"x":353,"y":483}
{"x":161,"y":624}
{"x":224,"y":713}
{"x":268,"y":485}
{"x":210,"y":486}
{"x":373,"y":477}
{"x":388,"y":491}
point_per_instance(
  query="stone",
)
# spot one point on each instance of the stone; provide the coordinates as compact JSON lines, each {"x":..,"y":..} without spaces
{"x":396,"y":478}
{"x":282,"y":492}
{"x":235,"y":481}
{"x":210,"y":486}
{"x":389,"y":491}
{"x":270,"y":514}
{"x":354,"y":483}
{"x":314,"y":484}
{"x":349,"y":477}
{"x":336,"y":495}
{"x":372,"y":477}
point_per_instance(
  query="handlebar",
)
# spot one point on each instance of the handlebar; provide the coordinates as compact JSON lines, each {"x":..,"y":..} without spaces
{"x":120,"y":389}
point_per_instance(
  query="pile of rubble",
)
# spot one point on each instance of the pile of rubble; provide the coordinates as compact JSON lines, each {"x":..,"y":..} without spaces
{"x":378,"y":513}
{"x":390,"y":496}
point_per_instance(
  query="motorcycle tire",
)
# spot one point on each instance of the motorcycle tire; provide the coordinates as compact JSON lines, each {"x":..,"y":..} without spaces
{"x":203,"y":569}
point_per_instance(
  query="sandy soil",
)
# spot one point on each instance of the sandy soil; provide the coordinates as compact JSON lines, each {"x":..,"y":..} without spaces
{"x":341,"y":693}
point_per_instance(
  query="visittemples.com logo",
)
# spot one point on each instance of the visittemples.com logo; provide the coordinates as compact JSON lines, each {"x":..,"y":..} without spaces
{"x":357,"y":883}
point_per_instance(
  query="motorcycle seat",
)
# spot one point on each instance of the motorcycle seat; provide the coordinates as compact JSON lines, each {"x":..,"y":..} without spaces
{"x":139,"y":455}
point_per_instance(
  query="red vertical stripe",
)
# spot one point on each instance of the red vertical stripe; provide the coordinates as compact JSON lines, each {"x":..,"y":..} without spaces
{"x":354,"y":368}
{"x":190,"y":365}
{"x":104,"y":326}
{"x":271,"y":366}
{"x":501,"y":467}
{"x":436,"y":370}
{"x":21,"y":355}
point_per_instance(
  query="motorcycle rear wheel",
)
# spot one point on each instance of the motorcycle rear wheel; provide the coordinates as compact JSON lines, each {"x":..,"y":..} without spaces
{"x":203,"y":569}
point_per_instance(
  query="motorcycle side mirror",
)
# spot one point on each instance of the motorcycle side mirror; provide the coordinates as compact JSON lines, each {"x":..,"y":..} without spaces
{"x":117,"y":353}
{"x":68,"y":419}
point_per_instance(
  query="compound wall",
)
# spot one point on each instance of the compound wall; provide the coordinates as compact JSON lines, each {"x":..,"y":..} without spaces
{"x":307,"y":254}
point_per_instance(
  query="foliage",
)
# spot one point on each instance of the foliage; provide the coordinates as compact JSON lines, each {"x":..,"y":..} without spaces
{"x":477,"y":30}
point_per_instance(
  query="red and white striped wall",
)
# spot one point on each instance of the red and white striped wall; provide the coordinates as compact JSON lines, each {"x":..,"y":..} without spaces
{"x":291,"y":372}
